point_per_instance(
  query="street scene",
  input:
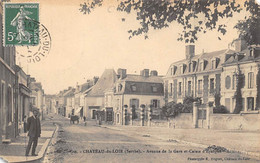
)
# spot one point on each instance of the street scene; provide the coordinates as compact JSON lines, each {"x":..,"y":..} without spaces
{"x":130,"y":81}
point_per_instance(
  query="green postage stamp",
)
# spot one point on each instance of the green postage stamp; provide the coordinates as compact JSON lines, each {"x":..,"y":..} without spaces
{"x":21,"y":24}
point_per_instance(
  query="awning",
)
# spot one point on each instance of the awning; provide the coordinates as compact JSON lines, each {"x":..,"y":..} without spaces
{"x":24,"y":90}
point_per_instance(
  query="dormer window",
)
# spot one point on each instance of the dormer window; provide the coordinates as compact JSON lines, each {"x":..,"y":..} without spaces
{"x":133,"y":88}
{"x":190,"y":67}
{"x":181,"y":69}
{"x":154,"y":88}
{"x":119,"y":88}
{"x":213,"y":64}
{"x":251,"y":53}
{"x":201,"y":66}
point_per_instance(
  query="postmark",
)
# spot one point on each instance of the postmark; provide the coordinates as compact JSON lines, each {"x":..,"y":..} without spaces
{"x":20,"y":27}
{"x":36,"y":53}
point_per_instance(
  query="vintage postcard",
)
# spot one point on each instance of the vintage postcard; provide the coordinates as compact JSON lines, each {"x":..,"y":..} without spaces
{"x":130,"y":81}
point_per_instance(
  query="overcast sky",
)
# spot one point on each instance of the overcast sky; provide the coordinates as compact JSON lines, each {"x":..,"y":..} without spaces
{"x":84,"y":45}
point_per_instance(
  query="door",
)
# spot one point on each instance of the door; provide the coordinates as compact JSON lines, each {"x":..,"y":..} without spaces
{"x":250,"y":103}
{"x":202,"y":118}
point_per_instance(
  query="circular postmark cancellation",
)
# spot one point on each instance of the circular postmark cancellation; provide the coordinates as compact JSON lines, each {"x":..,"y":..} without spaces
{"x":37,"y":50}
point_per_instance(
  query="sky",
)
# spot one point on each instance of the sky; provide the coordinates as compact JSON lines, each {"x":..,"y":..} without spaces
{"x":83,"y":46}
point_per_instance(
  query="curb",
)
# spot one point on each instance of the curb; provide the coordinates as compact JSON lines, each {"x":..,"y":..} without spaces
{"x":254,"y":155}
{"x":41,"y":153}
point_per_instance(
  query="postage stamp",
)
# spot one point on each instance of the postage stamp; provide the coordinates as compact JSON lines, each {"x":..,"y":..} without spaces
{"x":20,"y":24}
{"x":34,"y":54}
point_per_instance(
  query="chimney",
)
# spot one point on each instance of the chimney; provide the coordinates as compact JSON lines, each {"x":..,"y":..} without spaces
{"x":121,"y":73}
{"x":95,"y":79}
{"x":190,"y":51}
{"x":153,"y":73}
{"x":240,"y":44}
{"x":145,"y":73}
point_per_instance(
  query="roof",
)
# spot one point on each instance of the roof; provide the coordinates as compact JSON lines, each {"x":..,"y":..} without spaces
{"x":243,"y":56}
{"x":151,"y":85}
{"x":106,"y":81}
{"x":205,"y":58}
{"x":69,"y":92}
{"x":140,"y":78}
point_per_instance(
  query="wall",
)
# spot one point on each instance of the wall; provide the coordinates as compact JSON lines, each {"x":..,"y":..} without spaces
{"x":92,"y":101}
{"x":184,"y":120}
{"x":235,"y":122}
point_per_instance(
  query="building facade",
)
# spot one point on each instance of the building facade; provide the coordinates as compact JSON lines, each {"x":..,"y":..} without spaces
{"x":247,"y":61}
{"x":94,"y":97}
{"x":7,"y":89}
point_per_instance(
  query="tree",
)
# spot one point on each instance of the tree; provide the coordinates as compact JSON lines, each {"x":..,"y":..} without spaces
{"x":249,"y":28}
{"x":195,"y":16}
{"x":238,"y":93}
{"x":172,"y":109}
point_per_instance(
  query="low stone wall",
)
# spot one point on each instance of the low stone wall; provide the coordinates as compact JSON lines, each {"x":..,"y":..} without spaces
{"x":159,"y":123}
{"x":184,"y":120}
{"x":249,"y":122}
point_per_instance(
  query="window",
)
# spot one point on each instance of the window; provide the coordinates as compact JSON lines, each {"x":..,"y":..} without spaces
{"x":211,"y":90}
{"x":172,"y":71}
{"x":234,"y":82}
{"x":200,"y":86}
{"x":119,"y":87}
{"x":190,"y":67}
{"x":213,"y":64}
{"x":170,"y":89}
{"x":9,"y":104}
{"x":134,"y":103}
{"x":133,"y":87}
{"x":251,"y":53}
{"x":117,"y":118}
{"x":227,"y":82}
{"x":155,"y":103}
{"x":154,"y":89}
{"x":250,"y":80}
{"x":201,"y":66}
{"x":179,"y":92}
{"x":2,"y":96}
{"x":189,"y":88}
{"x":33,"y":100}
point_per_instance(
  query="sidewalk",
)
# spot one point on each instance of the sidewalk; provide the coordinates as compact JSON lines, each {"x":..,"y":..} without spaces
{"x":15,"y":151}
{"x":246,"y":142}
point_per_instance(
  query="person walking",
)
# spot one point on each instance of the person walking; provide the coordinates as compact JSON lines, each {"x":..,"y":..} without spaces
{"x":34,"y":128}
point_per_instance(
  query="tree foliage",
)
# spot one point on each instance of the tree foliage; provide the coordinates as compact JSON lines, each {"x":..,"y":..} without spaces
{"x":195,"y":16}
{"x":238,"y":93}
{"x":173,"y":109}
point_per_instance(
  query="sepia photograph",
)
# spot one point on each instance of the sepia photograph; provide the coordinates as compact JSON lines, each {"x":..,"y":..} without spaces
{"x":122,"y":81}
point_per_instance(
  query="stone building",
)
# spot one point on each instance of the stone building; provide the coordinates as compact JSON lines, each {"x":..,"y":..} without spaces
{"x":131,"y":91}
{"x":94,"y":96}
{"x":7,"y":89}
{"x":247,"y":60}
{"x":196,"y":76}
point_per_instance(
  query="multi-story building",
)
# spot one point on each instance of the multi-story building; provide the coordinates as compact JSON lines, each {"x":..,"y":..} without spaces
{"x":247,"y":61}
{"x":23,"y":109}
{"x":196,"y":76}
{"x":80,"y":95}
{"x":7,"y":89}
{"x":94,"y":96}
{"x":37,"y":98}
{"x":213,"y":76}
{"x":131,"y":91}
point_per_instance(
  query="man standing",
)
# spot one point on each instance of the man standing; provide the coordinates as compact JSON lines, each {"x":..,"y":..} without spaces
{"x":34,"y":128}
